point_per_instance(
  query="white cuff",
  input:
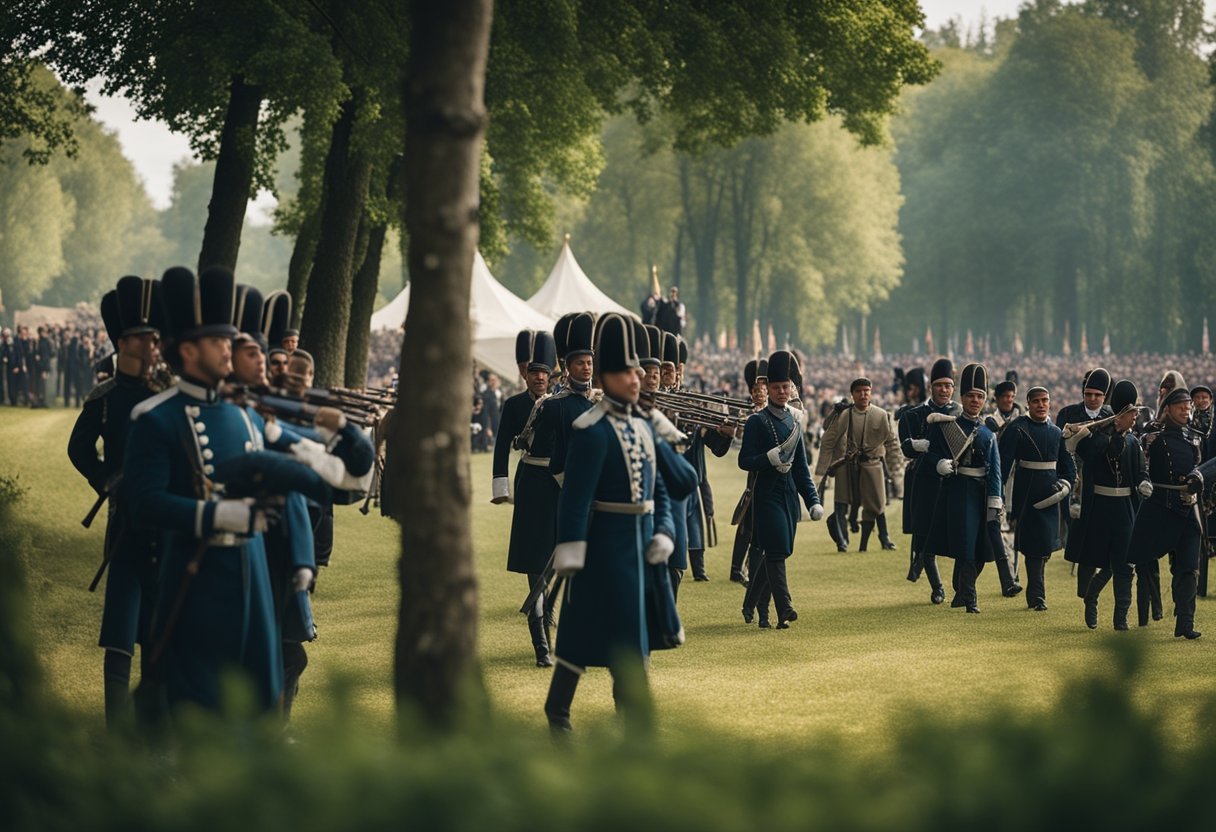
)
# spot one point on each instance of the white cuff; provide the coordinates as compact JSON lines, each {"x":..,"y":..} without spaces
{"x":774,"y":457}
{"x":945,"y":467}
{"x":302,"y":579}
{"x":500,"y":488}
{"x":996,"y":502}
{"x":232,"y":516}
{"x":920,"y":445}
{"x":659,"y":549}
{"x":569,"y":557}
{"x":816,"y":512}
{"x":273,"y":431}
{"x":561,"y":479}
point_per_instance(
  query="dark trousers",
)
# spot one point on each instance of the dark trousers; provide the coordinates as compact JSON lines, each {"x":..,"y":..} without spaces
{"x":630,"y":693}
{"x":965,"y":574}
{"x":1184,"y":586}
{"x":295,"y":659}
{"x":1148,"y":591}
{"x":743,"y":539}
{"x":1036,"y":583}
{"x":771,"y":581}
{"x":758,"y":594}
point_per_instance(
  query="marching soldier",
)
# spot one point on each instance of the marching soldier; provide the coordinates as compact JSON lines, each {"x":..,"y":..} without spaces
{"x":1045,"y":477}
{"x":1201,"y":423}
{"x":755,"y":374}
{"x":924,"y":480}
{"x":1112,"y":477}
{"x":963,"y":452}
{"x":534,"y":520}
{"x":1170,"y":520}
{"x":1094,"y":388}
{"x":774,"y":450}
{"x":132,"y":316}
{"x":702,"y":531}
{"x":914,"y":395}
{"x":614,"y":527}
{"x":1004,"y":404}
{"x":855,"y":448}
{"x":559,"y":411}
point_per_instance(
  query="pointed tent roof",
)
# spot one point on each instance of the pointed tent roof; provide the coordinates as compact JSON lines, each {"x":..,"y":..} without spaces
{"x":496,"y":314}
{"x":568,"y":289}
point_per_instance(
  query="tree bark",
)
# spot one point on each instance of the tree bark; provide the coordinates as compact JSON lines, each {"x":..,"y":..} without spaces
{"x":233,"y":183}
{"x":300,"y":266}
{"x":435,"y":659}
{"x":326,"y":320}
{"x":363,"y":300}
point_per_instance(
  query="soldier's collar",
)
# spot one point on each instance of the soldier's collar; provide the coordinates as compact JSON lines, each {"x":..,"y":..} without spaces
{"x":576,"y":386}
{"x":616,"y":406}
{"x":779,"y":412}
{"x":196,"y":390}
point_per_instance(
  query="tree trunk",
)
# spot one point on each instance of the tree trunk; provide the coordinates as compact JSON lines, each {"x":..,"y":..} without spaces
{"x":233,"y":183}
{"x":326,"y":319}
{"x":300,"y":266}
{"x":435,"y":660}
{"x":363,"y":300}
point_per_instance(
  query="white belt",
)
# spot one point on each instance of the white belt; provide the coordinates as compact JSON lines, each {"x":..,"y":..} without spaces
{"x":973,"y":472}
{"x":1035,"y":465}
{"x":227,"y":539}
{"x":644,"y":507}
{"x":539,"y":461}
{"x":1111,"y":491}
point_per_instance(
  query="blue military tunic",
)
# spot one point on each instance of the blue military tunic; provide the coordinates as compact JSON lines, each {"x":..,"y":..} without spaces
{"x":775,"y":496}
{"x":603,"y":614}
{"x":227,"y":619}
{"x":534,"y":521}
{"x":1168,"y":521}
{"x":1112,"y":469}
{"x":921,"y":481}
{"x":1037,"y":451}
{"x":131,"y":583}
{"x":959,"y":528}
{"x":700,"y":504}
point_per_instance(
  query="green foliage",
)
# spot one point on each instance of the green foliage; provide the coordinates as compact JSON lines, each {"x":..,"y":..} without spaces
{"x":1062,"y":179}
{"x":32,"y":113}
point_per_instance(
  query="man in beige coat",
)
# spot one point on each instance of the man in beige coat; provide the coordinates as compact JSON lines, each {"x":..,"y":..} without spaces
{"x":855,"y":443}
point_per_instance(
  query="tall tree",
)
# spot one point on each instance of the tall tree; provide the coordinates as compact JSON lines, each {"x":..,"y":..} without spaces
{"x":446,"y":119}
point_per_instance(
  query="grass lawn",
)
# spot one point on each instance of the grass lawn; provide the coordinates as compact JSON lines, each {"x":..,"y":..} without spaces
{"x":867,"y":646}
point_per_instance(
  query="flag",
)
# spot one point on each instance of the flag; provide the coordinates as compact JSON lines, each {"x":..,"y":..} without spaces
{"x":970,"y":343}
{"x":1106,"y":344}
{"x":1206,"y":343}
{"x":877,"y":345}
{"x":1067,"y":348}
{"x":772,"y":340}
{"x":844,"y":342}
{"x":757,"y":341}
{"x":929,"y":341}
{"x":1017,"y":343}
{"x":1084,"y":341}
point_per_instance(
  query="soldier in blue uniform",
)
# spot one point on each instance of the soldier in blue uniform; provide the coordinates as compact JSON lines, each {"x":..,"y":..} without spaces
{"x":534,"y":520}
{"x":613,"y":520}
{"x":1169,"y":519}
{"x":558,"y":412}
{"x":755,"y":374}
{"x":963,"y":452}
{"x":132,"y":317}
{"x":1112,"y":476}
{"x":774,"y":450}
{"x":215,"y":612}
{"x":702,"y":531}
{"x":1045,"y":478}
{"x":1095,"y":387}
{"x":922,"y":481}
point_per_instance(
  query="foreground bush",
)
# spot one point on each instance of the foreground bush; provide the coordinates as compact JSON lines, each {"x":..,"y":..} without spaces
{"x":1097,"y":762}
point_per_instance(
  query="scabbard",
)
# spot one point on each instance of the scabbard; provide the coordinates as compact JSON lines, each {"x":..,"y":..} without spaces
{"x":92,"y":515}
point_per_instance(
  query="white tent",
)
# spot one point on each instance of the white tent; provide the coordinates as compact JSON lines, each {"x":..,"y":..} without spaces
{"x":497,"y":316}
{"x":568,"y":289}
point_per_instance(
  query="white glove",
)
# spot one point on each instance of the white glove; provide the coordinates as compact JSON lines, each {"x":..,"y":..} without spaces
{"x":659,"y":549}
{"x":1073,"y":441}
{"x":1074,"y":510}
{"x":302,"y":579}
{"x":1146,"y":489}
{"x":774,"y":457}
{"x":569,"y":557}
{"x":1063,"y":490}
{"x":817,"y":512}
{"x":945,"y":467}
{"x":920,"y":445}
{"x":500,"y":490}
{"x":238,"y":516}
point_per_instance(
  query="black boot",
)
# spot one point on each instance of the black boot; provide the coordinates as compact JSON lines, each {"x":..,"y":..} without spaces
{"x":561,"y":694}
{"x":739,"y":554}
{"x":867,"y":528}
{"x":1144,"y":591}
{"x":631,"y":696}
{"x":1084,"y":575}
{"x":295,"y":659}
{"x":853,"y":516}
{"x":1185,"y":585}
{"x":967,"y":576}
{"x":696,"y":562}
{"x":1123,"y":597}
{"x":938,"y":593}
{"x":842,"y":526}
{"x":540,"y":640}
{"x":1036,"y":591}
{"x":884,"y":537}
{"x":757,"y":593}
{"x":1154,"y":576}
{"x":779,"y":586}
{"x":676,"y":576}
{"x":116,"y":673}
{"x":1097,"y":583}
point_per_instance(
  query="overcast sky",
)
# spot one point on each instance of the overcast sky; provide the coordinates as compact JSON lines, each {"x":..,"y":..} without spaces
{"x":154,"y":150}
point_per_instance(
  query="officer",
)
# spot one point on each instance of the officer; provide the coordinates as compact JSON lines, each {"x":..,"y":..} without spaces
{"x":774,"y":450}
{"x":215,"y":612}
{"x":755,"y":374}
{"x":613,"y":522}
{"x":914,"y":442}
{"x":1169,"y":519}
{"x":133,"y":319}
{"x":1045,"y":477}
{"x":963,"y":452}
{"x":1094,"y":388}
{"x":1111,"y":478}
{"x":855,"y":447}
{"x":534,"y":519}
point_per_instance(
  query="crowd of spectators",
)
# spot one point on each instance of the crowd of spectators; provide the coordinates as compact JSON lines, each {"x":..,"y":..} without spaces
{"x":53,"y":363}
